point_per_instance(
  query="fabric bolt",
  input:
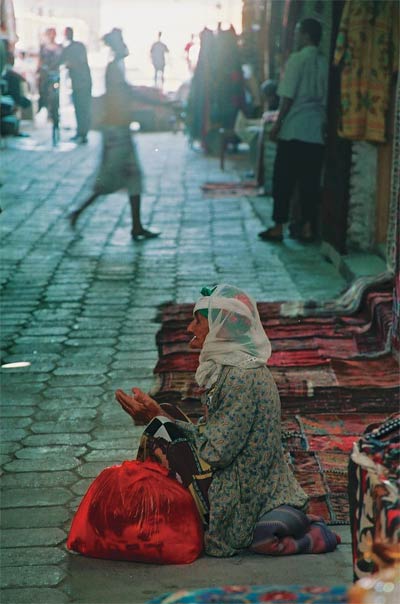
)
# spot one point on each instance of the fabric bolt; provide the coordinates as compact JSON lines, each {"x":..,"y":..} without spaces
{"x":373,"y":491}
{"x":367,"y":49}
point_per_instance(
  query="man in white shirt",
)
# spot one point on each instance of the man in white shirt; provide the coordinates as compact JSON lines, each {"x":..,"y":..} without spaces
{"x":299,"y":132}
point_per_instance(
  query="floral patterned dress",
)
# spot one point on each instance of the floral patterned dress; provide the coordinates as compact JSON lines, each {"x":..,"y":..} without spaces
{"x":241,"y":440}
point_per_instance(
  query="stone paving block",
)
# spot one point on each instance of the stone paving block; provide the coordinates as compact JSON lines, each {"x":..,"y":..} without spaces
{"x":66,"y":438}
{"x":124,"y":431}
{"x":81,"y":486}
{"x":76,"y":392}
{"x":16,"y":411}
{"x":36,"y":479}
{"x":34,"y":517}
{"x":32,"y":556}
{"x":81,"y":369}
{"x":88,"y":324}
{"x":20,"y":498}
{"x":129,"y":443}
{"x":11,"y":423}
{"x":31,"y":537}
{"x":93,"y":469}
{"x":50,"y":463}
{"x":42,"y":341}
{"x":74,"y":503}
{"x":13,"y":434}
{"x":61,"y":427}
{"x":69,"y":414}
{"x":9,"y":447}
{"x":67,"y":381}
{"x":78,"y":360}
{"x":50,"y":330}
{"x":98,"y":342}
{"x":106,"y":454}
{"x":34,"y":596}
{"x":31,"y":576}
{"x":51,"y":451}
{"x":69,"y":405}
{"x":23,"y":377}
{"x":104,"y":313}
{"x":126,"y":356}
{"x":35,"y":347}
{"x":60,"y":316}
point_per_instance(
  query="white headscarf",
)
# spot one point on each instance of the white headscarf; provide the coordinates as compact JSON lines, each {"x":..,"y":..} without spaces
{"x":236,"y":337}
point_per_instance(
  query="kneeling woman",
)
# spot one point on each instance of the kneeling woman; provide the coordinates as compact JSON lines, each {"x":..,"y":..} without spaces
{"x":232,"y":460}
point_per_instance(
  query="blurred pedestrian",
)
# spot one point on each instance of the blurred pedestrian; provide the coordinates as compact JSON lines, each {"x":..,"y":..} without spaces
{"x":75,"y":58}
{"x":189,"y":53}
{"x":17,"y":86}
{"x":49,"y":65}
{"x":157,"y":52}
{"x":120,"y":167}
{"x":299,"y":132}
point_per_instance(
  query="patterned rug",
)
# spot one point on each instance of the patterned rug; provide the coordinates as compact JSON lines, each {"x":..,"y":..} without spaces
{"x":246,"y":594}
{"x":334,"y":373}
{"x":230,"y":189}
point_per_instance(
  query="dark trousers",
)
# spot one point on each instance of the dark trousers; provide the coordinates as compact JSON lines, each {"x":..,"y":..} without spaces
{"x":81,"y":97}
{"x":297,"y":163}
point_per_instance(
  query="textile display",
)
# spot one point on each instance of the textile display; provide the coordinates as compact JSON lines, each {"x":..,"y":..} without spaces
{"x":325,"y":360}
{"x":393,"y":237}
{"x":246,"y":594}
{"x":374,"y":496}
{"x":217,"y":88}
{"x":382,"y":586}
{"x":367,"y":49}
{"x":393,"y":234}
{"x":362,"y":203}
{"x":135,"y":511}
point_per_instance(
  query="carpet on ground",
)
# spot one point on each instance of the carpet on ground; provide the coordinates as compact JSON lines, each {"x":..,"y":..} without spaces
{"x":230,"y":189}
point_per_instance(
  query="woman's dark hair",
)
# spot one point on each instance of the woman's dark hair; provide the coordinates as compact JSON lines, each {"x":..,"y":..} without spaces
{"x":313,"y":28}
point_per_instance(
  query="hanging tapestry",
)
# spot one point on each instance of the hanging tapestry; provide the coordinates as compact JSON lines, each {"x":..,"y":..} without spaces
{"x":367,"y":49}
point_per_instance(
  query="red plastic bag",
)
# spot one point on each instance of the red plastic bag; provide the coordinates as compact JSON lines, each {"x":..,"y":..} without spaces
{"x":135,"y":511}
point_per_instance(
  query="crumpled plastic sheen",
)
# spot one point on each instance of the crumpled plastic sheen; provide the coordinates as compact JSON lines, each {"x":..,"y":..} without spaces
{"x":135,"y":511}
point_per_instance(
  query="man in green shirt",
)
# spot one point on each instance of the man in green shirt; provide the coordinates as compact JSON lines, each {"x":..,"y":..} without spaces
{"x":299,"y":132}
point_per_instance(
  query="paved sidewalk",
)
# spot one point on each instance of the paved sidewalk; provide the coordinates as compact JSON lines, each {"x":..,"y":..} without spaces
{"x":81,"y":306}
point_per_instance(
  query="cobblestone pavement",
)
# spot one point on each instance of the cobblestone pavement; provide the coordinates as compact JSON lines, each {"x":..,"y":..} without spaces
{"x":80,"y":306}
